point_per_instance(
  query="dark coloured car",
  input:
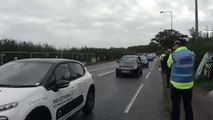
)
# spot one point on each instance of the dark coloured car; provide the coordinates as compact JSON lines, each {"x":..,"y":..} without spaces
{"x":131,"y":65}
{"x":150,"y":57}
{"x":145,"y":61}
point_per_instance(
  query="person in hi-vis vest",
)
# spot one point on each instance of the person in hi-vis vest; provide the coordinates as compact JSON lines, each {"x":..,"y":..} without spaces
{"x":181,"y":63}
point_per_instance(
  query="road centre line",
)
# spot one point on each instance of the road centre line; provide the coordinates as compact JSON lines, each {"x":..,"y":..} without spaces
{"x":153,"y":66}
{"x":147,"y":75}
{"x":135,"y":96}
{"x":106,"y":73}
{"x":133,"y":100}
{"x":96,"y":69}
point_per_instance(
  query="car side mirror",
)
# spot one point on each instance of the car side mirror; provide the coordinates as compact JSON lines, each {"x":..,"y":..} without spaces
{"x":84,"y":63}
{"x":62,"y":84}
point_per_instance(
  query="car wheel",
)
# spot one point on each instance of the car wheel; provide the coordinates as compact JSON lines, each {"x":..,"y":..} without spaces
{"x":138,"y":74}
{"x":118,"y":74}
{"x":90,"y":102}
{"x":37,"y":116}
{"x":141,"y":72}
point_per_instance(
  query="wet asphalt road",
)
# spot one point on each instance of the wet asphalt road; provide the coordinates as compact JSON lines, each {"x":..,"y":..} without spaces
{"x":126,"y":98}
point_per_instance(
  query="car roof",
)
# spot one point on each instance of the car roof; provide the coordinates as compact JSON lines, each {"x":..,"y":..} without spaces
{"x":130,"y":56}
{"x":143,"y":56}
{"x":47,"y":60}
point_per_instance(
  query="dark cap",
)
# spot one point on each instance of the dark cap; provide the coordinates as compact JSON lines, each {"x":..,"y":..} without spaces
{"x":181,"y":42}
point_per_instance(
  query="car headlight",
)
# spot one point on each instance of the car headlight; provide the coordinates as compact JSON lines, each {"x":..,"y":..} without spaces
{"x":3,"y":118}
{"x":135,"y":67}
{"x":8,"y":106}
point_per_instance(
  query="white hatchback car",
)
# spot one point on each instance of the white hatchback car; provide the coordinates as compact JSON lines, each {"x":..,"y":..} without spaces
{"x":45,"y":89}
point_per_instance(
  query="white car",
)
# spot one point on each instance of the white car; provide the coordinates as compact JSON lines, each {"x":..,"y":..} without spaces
{"x":45,"y":89}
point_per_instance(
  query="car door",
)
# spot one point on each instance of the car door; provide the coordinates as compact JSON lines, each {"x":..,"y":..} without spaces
{"x":63,"y":99}
{"x":82,"y":82}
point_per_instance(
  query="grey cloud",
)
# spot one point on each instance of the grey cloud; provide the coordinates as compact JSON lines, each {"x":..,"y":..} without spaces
{"x":96,"y":23}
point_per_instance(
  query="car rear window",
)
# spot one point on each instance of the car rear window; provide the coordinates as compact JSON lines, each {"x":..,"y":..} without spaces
{"x":129,"y":60}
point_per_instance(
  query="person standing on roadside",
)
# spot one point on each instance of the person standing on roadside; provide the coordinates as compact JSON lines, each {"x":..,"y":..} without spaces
{"x":181,"y":63}
{"x":165,"y":66}
{"x":161,"y":62}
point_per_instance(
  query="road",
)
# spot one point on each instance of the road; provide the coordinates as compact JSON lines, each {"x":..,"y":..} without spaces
{"x":126,"y":98}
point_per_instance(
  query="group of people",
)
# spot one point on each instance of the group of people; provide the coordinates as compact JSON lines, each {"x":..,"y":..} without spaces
{"x":177,"y":63}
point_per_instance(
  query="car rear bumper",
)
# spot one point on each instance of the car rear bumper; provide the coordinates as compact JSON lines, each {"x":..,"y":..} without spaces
{"x":129,"y":71}
{"x":145,"y":65}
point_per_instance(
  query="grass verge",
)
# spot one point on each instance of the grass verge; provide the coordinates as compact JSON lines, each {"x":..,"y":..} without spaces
{"x":167,"y":101}
{"x":166,"y":96}
{"x":205,"y":84}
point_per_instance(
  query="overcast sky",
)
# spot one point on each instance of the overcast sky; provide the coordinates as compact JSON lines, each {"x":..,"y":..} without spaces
{"x":97,"y":23}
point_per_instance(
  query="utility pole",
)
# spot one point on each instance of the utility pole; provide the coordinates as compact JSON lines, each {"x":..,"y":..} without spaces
{"x":196,"y":20}
{"x":207,"y":31}
{"x":170,"y":12}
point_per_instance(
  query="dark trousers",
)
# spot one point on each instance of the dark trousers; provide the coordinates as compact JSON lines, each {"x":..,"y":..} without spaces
{"x":186,"y":95}
{"x":168,"y":74}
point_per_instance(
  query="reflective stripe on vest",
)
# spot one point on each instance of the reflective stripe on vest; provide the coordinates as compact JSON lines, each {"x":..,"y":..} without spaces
{"x":182,"y":68}
{"x":182,"y":85}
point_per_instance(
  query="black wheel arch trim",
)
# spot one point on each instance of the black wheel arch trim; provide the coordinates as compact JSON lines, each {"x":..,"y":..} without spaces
{"x":92,"y":88}
{"x":42,"y":109}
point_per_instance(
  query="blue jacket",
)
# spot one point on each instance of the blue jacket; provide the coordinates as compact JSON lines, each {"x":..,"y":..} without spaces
{"x":182,"y":69}
{"x":181,"y":63}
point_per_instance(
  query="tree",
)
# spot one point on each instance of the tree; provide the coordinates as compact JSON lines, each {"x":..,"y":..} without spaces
{"x":166,"y":38}
{"x":153,"y":47}
{"x":192,"y":32}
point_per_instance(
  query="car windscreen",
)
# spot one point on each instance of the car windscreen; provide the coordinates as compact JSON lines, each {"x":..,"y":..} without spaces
{"x":143,"y":58}
{"x":21,"y":74}
{"x":129,"y":60}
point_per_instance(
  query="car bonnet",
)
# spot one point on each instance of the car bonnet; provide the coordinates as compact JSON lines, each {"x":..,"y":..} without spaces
{"x":9,"y":95}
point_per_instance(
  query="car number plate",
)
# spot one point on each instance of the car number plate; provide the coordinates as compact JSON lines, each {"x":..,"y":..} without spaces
{"x":125,"y":71}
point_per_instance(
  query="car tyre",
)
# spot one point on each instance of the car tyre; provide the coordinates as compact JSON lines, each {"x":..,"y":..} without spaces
{"x":90,"y":103}
{"x":141,"y":72}
{"x":147,"y":65}
{"x":118,"y":74}
{"x":37,"y":116}
{"x":138,"y":74}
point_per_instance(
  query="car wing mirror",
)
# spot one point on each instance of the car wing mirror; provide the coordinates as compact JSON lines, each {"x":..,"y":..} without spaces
{"x":62,"y":84}
{"x":84,"y":63}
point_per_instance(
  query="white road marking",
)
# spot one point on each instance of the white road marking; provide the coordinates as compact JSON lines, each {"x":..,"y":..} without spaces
{"x":133,"y":100}
{"x":153,"y":66}
{"x":147,"y":75}
{"x":101,"y":68}
{"x":106,"y":73}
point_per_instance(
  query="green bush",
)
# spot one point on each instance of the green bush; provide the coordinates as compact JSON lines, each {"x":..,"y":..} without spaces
{"x":200,"y":47}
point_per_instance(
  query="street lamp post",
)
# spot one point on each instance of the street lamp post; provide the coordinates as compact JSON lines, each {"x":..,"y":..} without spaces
{"x":196,"y":19}
{"x":171,"y":17}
